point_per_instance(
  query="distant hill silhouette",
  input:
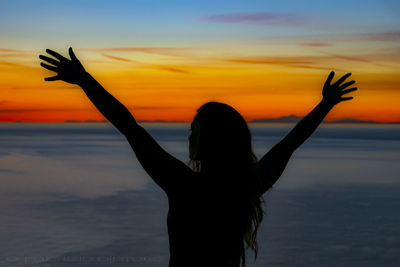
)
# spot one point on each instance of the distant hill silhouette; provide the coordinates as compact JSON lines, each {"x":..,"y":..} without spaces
{"x":104,"y":121}
{"x":348,"y":120}
{"x":158,"y":121}
{"x":85,"y":121}
{"x":283,"y":119}
{"x":287,"y":119}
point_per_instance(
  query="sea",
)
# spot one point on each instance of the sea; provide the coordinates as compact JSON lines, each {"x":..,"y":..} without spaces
{"x":74,"y":194}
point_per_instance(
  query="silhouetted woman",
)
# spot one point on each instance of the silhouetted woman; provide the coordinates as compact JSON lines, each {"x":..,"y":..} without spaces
{"x":215,"y":207}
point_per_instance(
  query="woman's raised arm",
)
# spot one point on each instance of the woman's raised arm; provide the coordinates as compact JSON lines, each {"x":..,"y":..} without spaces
{"x":274,"y":162}
{"x":161,"y":166}
{"x":72,"y":71}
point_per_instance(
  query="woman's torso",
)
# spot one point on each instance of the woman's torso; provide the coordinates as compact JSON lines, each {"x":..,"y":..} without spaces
{"x":204,"y":225}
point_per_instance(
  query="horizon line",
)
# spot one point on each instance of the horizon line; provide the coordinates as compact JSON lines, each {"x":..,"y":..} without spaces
{"x":284,"y":119}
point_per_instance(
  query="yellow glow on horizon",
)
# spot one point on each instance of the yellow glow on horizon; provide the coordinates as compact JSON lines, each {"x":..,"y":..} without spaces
{"x":162,"y":87}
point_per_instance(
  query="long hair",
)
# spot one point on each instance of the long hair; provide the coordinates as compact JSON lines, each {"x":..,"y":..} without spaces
{"x":220,"y":142}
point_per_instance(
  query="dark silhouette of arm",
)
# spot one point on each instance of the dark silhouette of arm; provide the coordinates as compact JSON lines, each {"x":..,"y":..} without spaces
{"x":274,"y":162}
{"x":163,"y":168}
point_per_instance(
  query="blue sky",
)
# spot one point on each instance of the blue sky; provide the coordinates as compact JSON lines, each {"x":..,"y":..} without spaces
{"x":24,"y":23}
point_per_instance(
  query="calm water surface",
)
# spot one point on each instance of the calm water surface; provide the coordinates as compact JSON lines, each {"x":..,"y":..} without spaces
{"x":74,"y":194}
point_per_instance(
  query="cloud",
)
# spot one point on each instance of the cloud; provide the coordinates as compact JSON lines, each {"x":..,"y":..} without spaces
{"x":383,"y":36}
{"x":28,"y":110}
{"x":11,"y":66}
{"x":165,"y":51}
{"x":6,"y":50}
{"x":316,"y":44}
{"x":167,"y":68}
{"x":7,"y":53}
{"x":19,"y":110}
{"x":349,"y":58}
{"x":150,"y":108}
{"x":292,"y":62}
{"x":313,"y":67}
{"x":15,"y":55}
{"x":173,"y":69}
{"x":264,"y":18}
{"x":117,"y":58}
{"x":273,"y":60}
{"x":356,"y":58}
{"x":310,"y":62}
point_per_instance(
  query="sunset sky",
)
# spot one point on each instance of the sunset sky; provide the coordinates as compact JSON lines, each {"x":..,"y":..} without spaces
{"x":163,"y":59}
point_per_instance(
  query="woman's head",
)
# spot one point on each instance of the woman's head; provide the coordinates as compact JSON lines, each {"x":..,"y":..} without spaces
{"x":219,"y":135}
{"x":220,"y":146}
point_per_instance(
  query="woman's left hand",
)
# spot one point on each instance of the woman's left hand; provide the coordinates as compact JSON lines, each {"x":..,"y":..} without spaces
{"x":333,"y":93}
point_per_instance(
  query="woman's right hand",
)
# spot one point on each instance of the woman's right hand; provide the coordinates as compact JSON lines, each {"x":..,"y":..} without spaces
{"x":68,"y":70}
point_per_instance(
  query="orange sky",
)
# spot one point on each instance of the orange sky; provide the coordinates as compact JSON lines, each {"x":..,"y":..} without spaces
{"x":173,"y":87}
{"x":266,"y":64}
